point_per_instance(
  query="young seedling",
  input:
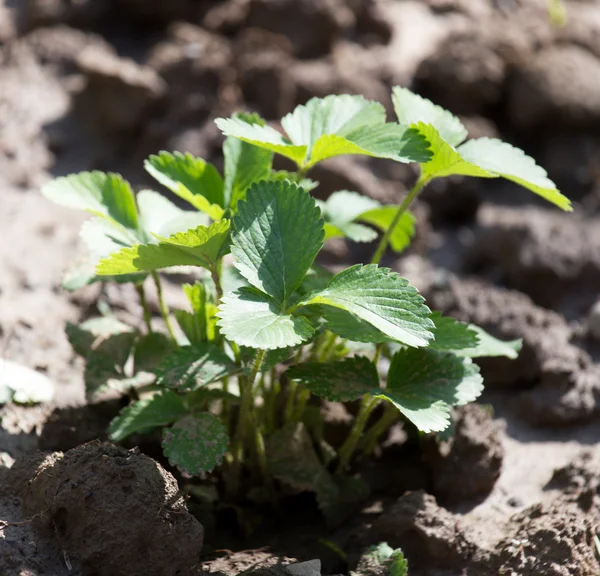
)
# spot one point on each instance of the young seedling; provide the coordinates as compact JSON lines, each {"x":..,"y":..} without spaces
{"x":267,"y":327}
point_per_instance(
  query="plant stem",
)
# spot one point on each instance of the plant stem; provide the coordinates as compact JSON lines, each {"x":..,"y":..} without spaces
{"x":385,"y":239}
{"x":378,"y":349}
{"x":347,"y":450}
{"x":303,"y":397}
{"x":164,"y":311}
{"x":214,"y":274}
{"x":328,"y":347}
{"x":370,"y":439}
{"x":144,"y":303}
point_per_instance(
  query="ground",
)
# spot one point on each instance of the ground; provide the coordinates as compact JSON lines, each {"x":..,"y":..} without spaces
{"x":103,"y":84}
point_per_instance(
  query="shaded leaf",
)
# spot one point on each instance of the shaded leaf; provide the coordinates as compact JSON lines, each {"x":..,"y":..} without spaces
{"x":149,"y":351}
{"x":351,"y":327}
{"x":251,"y":318}
{"x":383,"y":299}
{"x":201,"y":246}
{"x":452,"y":335}
{"x":423,"y":384}
{"x":276,"y":236}
{"x":195,"y":443}
{"x":192,"y":179}
{"x":159,"y":410}
{"x":189,"y":367}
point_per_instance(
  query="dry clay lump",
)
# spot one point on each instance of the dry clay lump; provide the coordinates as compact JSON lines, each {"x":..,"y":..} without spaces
{"x":115,"y":511}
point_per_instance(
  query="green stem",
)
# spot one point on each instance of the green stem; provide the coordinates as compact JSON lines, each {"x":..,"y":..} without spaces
{"x":214,"y":274}
{"x":348,"y":448}
{"x":303,"y":397}
{"x":371,"y":438}
{"x":164,"y":311}
{"x":378,"y":349}
{"x":328,"y":347}
{"x":144,"y":303}
{"x":385,"y":239}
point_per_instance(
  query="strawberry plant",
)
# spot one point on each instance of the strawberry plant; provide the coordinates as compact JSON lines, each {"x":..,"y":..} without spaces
{"x":230,"y":379}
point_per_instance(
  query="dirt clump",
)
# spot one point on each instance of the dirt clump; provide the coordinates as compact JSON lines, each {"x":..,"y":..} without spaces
{"x":469,"y":463}
{"x":554,"y":541}
{"x":112,"y":510}
{"x":429,"y":535}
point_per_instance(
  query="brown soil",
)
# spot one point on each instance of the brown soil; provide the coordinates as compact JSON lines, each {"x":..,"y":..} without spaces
{"x":101,"y":84}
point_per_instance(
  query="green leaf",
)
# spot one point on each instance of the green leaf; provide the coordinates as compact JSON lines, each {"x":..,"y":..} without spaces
{"x":191,"y":178}
{"x":159,"y":410}
{"x":447,"y":160}
{"x":341,"y":381}
{"x":399,"y":564}
{"x":383,"y":299}
{"x":102,"y":374}
{"x":159,"y":216}
{"x":102,"y":236}
{"x":382,"y":218}
{"x":199,"y":325}
{"x":195,"y":443}
{"x":382,"y":559}
{"x":504,"y":160}
{"x":23,"y":385}
{"x":276,"y":236}
{"x":190,"y":367}
{"x":452,"y":335}
{"x":201,"y":246}
{"x":244,"y":163}
{"x":332,"y":126}
{"x":341,"y":209}
{"x":281,"y":175}
{"x":351,"y":327}
{"x":202,"y":396}
{"x":251,"y":318}
{"x":489,"y":346}
{"x":293,"y":461}
{"x":412,"y":109}
{"x":423,"y":384}
{"x":149,"y":351}
{"x":106,"y":195}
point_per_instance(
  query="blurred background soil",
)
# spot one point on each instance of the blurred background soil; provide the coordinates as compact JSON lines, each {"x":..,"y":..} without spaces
{"x":101,"y":84}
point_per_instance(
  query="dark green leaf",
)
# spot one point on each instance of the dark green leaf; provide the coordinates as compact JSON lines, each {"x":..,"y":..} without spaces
{"x":149,"y":351}
{"x":452,"y":335}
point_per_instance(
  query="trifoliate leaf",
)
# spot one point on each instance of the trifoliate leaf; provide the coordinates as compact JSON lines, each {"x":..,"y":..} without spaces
{"x":447,"y":160}
{"x":351,"y":327}
{"x":244,"y":163}
{"x":423,"y":384}
{"x":201,"y":246}
{"x":293,"y":461}
{"x":107,"y":195}
{"x":191,"y":178}
{"x":332,"y":126}
{"x":159,"y":216}
{"x":341,"y":381}
{"x":159,"y":410}
{"x":149,"y":351}
{"x":452,"y":335}
{"x":411,"y":109}
{"x":276,"y":236}
{"x":504,"y":160}
{"x":383,"y":299}
{"x":195,"y":443}
{"x":490,"y":346}
{"x":382,"y":218}
{"x":23,"y":385}
{"x":190,"y":367}
{"x":251,"y":318}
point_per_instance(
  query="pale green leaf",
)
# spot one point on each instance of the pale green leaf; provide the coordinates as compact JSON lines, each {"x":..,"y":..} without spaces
{"x":383,"y":299}
{"x":341,"y":381}
{"x":191,"y":178}
{"x":452,"y":335}
{"x":102,"y":237}
{"x":489,"y":346}
{"x":201,"y":246}
{"x":251,"y":318}
{"x":423,"y":384}
{"x":511,"y":163}
{"x":23,"y":385}
{"x":262,"y":136}
{"x":196,"y":443}
{"x":107,"y":195}
{"x":190,"y":367}
{"x":382,"y":218}
{"x":158,"y":215}
{"x":341,"y":209}
{"x":244,"y":163}
{"x":277,"y":233}
{"x":412,"y":109}
{"x":332,"y":126}
{"x":447,"y":160}
{"x":159,"y":410}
